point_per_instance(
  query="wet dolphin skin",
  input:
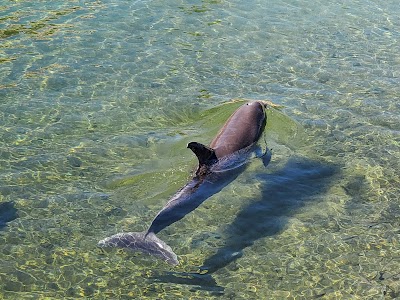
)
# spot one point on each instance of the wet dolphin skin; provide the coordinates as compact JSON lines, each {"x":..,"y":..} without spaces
{"x":219,"y":164}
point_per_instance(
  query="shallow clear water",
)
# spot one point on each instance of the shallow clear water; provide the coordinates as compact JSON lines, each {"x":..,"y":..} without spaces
{"x":98,"y":100}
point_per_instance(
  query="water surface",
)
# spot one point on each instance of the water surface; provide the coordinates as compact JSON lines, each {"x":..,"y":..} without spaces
{"x":98,"y":100}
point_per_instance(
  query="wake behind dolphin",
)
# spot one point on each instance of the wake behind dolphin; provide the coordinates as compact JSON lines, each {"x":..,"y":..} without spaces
{"x":219,"y":164}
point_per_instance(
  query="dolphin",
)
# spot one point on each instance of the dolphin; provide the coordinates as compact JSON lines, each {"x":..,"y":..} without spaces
{"x":218,"y":165}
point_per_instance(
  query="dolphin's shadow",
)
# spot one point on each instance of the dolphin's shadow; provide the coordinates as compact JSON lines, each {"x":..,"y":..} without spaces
{"x":283,"y":193}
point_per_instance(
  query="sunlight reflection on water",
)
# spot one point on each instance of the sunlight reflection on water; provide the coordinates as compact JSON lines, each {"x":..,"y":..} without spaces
{"x":100,"y":98}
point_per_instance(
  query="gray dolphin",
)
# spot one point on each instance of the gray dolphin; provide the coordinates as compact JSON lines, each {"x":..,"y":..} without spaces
{"x":219,"y":164}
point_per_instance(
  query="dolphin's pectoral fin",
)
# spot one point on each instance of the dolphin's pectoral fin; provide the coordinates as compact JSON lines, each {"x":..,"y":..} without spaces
{"x":205,"y":155}
{"x":265,"y":157}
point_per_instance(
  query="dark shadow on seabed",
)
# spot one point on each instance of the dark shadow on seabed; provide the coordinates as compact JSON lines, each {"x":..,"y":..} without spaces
{"x":7,"y":213}
{"x":283,"y":193}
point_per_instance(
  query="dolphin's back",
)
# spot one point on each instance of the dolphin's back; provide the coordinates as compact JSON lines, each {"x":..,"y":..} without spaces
{"x":241,"y":130}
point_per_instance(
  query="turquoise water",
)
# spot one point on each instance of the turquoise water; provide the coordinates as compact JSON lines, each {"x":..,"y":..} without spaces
{"x":98,"y":100}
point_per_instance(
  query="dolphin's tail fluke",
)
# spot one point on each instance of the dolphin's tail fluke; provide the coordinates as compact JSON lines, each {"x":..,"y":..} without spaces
{"x":146,"y":242}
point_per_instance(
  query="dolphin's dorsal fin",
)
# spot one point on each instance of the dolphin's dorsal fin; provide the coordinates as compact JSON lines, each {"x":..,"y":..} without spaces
{"x":206,"y":155}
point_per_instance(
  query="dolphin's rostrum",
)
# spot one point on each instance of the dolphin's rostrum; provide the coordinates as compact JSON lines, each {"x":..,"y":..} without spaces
{"x":219,"y":164}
